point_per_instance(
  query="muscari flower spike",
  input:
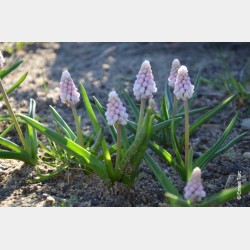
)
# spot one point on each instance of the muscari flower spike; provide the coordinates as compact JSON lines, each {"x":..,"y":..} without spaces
{"x":2,"y":60}
{"x":116,"y":112}
{"x":68,"y":90}
{"x":194,"y":189}
{"x":144,"y":86}
{"x":183,"y":88}
{"x":173,"y":73}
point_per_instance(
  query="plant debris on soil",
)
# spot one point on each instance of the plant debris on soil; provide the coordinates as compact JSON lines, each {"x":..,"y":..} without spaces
{"x":102,"y":67}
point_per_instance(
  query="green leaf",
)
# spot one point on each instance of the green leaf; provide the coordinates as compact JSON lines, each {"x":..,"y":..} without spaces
{"x":14,"y":86}
{"x":102,"y":110}
{"x":164,"y":124}
{"x":132,"y":158}
{"x":125,"y":141}
{"x":192,"y":111}
{"x":5,"y":72}
{"x":166,"y":184}
{"x":88,"y":140}
{"x":209,"y":82}
{"x":23,"y":156}
{"x":45,"y":177}
{"x":207,"y":116}
{"x":203,"y":160}
{"x":166,"y":156}
{"x":5,"y":118}
{"x":30,"y":133}
{"x":229,"y":144}
{"x":7,"y":130}
{"x":98,"y":142}
{"x":11,"y":145}
{"x":176,"y":201}
{"x":169,"y":98}
{"x":224,"y":196}
{"x":60,"y":121}
{"x":84,"y":156}
{"x":96,"y":126}
{"x":131,"y":103}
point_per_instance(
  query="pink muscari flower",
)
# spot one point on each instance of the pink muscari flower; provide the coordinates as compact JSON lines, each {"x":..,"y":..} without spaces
{"x":173,"y":73}
{"x":68,"y":90}
{"x":116,"y":112}
{"x":144,"y":86}
{"x":2,"y":60}
{"x":183,"y":88}
{"x":194,"y":189}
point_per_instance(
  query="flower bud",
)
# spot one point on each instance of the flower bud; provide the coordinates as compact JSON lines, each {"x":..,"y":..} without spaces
{"x":116,"y":112}
{"x":68,"y":90}
{"x":183,"y":88}
{"x":173,"y":73}
{"x":152,"y":105}
{"x":194,"y":189}
{"x":144,"y":86}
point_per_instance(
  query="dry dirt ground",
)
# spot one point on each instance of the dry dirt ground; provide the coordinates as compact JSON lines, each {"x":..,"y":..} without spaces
{"x":101,"y":67}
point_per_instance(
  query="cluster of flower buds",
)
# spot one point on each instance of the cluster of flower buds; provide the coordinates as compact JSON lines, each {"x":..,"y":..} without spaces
{"x":194,"y":189}
{"x":68,"y":90}
{"x":173,"y":73}
{"x":183,"y":88}
{"x":144,"y":86}
{"x":2,"y":60}
{"x":116,"y":112}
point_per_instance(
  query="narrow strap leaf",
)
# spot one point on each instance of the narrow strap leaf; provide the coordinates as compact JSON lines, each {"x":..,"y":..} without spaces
{"x":224,"y":196}
{"x":160,"y":175}
{"x":96,"y":126}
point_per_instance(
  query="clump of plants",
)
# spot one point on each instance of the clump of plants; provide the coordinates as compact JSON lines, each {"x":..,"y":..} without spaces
{"x":153,"y":128}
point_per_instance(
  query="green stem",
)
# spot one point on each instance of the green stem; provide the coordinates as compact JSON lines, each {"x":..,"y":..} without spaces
{"x":175,"y":106}
{"x":118,"y":150}
{"x":19,"y":131}
{"x":78,"y":125}
{"x":186,"y":133}
{"x":141,"y":114}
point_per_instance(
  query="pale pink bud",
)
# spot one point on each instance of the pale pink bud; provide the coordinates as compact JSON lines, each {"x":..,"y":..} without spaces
{"x":173,"y":73}
{"x":194,"y":189}
{"x":116,"y":112}
{"x":152,"y":105}
{"x":68,"y":90}
{"x":144,"y":86}
{"x":2,"y":60}
{"x":183,"y":88}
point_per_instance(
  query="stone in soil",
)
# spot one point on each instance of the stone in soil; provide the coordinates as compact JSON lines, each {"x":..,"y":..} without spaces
{"x":245,"y":123}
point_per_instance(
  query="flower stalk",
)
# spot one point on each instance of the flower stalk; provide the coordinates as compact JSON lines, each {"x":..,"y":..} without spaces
{"x":118,"y":151}
{"x":184,"y":89}
{"x":175,"y":107}
{"x":78,"y":125}
{"x":186,"y":133}
{"x":19,"y":131}
{"x":141,"y":114}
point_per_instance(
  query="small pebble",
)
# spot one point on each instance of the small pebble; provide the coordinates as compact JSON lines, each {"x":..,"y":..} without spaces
{"x":246,"y":155}
{"x":245,"y":123}
{"x":50,"y":199}
{"x":62,"y":185}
